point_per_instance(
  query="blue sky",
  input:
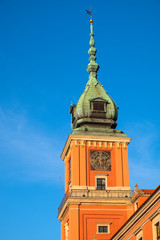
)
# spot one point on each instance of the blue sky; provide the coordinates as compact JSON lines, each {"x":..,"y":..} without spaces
{"x":43,"y":60}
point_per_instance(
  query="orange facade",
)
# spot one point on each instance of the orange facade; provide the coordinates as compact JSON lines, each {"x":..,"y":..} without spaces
{"x":79,"y":158}
{"x":85,"y":208}
{"x":144,"y":224}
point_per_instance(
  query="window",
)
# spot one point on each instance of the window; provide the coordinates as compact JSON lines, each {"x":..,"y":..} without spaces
{"x":100,"y":183}
{"x":66,"y":228}
{"x":157,"y":227}
{"x":136,"y":206}
{"x":98,"y":106}
{"x":69,"y":171}
{"x":103,"y":228}
{"x":139,"y":235}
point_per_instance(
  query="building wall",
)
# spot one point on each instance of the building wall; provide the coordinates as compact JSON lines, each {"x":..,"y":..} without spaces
{"x":143,"y":225}
{"x":91,"y":216}
{"x":81,"y":173}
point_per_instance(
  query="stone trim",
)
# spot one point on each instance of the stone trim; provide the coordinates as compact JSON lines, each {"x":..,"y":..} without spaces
{"x":155,"y":220}
{"x":154,"y":214}
{"x":103,"y":224}
{"x":95,"y":201}
{"x":86,"y":140}
{"x":101,"y":175}
{"x":139,"y":234}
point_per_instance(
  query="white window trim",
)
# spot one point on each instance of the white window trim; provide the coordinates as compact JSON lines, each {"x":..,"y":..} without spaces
{"x":136,"y":207}
{"x":139,"y":235}
{"x":104,"y":224}
{"x":101,"y":176}
{"x":155,"y":220}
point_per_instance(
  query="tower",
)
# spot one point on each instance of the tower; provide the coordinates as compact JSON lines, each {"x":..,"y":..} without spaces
{"x":97,"y":193}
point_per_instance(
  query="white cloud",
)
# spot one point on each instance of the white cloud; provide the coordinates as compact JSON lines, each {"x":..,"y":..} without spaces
{"x":26,"y":153}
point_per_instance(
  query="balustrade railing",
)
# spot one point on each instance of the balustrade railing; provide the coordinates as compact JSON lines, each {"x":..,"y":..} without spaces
{"x":106,"y":194}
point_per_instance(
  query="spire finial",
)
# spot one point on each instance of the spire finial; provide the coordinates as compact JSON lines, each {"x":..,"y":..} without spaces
{"x":91,"y":20}
{"x":92,"y":67}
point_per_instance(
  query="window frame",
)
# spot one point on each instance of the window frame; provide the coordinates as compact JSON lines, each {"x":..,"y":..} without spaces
{"x":136,"y":205}
{"x":155,"y":221}
{"x":157,"y":229}
{"x":139,"y":235}
{"x":101,"y":184}
{"x":102,"y":176}
{"x":98,"y":101}
{"x":98,"y":106}
{"x":103,"y":225}
{"x":69,"y":171}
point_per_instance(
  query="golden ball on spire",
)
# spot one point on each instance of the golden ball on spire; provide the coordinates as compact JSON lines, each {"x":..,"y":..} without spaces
{"x":91,"y":20}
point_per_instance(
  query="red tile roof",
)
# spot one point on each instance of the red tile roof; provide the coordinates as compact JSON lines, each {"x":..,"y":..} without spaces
{"x":148,"y":191}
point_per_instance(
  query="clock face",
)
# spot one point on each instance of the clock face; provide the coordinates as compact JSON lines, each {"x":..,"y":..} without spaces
{"x":100,"y":160}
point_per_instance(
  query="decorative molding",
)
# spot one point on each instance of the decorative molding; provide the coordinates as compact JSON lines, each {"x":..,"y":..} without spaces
{"x":138,"y":230}
{"x":103,"y":209}
{"x":79,"y":187}
{"x":104,"y":225}
{"x":66,"y":228}
{"x":154,"y":214}
{"x":139,"y":234}
{"x":96,"y":201}
{"x":91,"y":188}
{"x":118,"y":145}
{"x":89,"y":143}
{"x":119,"y":188}
{"x":106,"y":140}
{"x":155,"y":220}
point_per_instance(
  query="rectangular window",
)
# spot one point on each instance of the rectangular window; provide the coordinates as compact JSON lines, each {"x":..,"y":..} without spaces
{"x":136,"y":206}
{"x":102,"y":229}
{"x":98,"y":106}
{"x":139,"y":235}
{"x":157,"y":226}
{"x":69,"y":171}
{"x":100,"y":183}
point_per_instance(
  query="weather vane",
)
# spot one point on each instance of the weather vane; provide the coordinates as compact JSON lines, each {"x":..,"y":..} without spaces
{"x":89,"y":12}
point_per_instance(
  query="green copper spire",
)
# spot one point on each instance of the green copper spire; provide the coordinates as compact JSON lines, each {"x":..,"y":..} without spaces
{"x":95,"y":112}
{"x":92,"y":67}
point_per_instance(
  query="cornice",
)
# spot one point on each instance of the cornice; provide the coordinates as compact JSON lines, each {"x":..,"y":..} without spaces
{"x":84,"y":139}
{"x":138,"y":196}
{"x":93,"y":202}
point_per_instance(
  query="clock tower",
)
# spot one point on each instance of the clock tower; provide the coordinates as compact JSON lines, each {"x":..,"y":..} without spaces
{"x":97,"y":193}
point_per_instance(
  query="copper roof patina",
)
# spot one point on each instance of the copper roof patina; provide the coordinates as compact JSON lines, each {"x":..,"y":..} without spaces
{"x":86,"y":119}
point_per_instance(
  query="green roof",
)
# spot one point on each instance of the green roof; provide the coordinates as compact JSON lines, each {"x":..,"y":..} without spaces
{"x":87,"y":118}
